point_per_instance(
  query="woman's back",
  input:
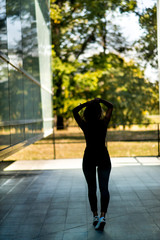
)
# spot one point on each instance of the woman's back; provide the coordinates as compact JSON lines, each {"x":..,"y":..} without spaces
{"x":96,"y":156}
{"x":95,"y":134}
{"x":95,"y":129}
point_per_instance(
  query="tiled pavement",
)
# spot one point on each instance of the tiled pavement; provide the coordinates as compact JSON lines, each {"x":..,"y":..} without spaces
{"x":46,"y":200}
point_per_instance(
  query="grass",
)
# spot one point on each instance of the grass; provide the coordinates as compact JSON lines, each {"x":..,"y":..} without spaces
{"x":130,"y":149}
{"x":154,"y":118}
{"x":70,"y":143}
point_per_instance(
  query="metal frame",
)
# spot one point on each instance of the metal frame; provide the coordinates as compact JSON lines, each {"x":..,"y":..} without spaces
{"x":21,"y":70}
{"x":22,"y":122}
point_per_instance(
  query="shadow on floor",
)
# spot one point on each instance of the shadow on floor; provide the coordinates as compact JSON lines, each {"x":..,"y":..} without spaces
{"x":4,"y":164}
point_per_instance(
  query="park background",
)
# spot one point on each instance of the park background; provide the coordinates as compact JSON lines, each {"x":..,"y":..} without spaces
{"x":105,"y":49}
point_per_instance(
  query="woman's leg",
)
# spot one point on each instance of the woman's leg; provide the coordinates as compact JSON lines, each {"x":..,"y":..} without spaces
{"x":103,"y":178}
{"x":90,"y":175}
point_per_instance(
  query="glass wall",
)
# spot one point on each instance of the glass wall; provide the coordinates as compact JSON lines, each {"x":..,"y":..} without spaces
{"x":25,"y":73}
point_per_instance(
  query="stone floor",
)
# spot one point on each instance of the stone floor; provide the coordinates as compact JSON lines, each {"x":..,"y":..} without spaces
{"x":47,"y":200}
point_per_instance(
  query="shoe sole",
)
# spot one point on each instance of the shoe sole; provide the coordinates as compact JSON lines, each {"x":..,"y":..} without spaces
{"x":95,"y":223}
{"x":101,"y":227}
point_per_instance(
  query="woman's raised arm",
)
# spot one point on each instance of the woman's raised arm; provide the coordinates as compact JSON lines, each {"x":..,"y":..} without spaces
{"x":76,"y":115}
{"x":109,"y":106}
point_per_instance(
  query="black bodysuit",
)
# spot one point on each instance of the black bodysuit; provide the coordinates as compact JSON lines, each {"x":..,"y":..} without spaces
{"x":96,"y":152}
{"x":96,"y":155}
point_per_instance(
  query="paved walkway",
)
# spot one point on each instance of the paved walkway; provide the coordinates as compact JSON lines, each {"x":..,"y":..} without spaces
{"x":48,"y":200}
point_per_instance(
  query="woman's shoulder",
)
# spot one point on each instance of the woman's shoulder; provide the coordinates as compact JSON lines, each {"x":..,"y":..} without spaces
{"x":103,"y":122}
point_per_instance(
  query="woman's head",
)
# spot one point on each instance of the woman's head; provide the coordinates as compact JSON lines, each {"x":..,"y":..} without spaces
{"x":93,"y":112}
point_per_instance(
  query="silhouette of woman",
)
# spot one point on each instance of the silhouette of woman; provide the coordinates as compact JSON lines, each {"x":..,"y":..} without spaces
{"x":94,"y":127}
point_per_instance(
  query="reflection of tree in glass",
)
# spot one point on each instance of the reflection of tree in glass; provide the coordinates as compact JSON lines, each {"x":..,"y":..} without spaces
{"x":22,"y":49}
{"x":4,"y":100}
{"x":3,"y":29}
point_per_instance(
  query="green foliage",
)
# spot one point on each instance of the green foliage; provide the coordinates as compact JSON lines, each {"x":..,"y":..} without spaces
{"x":129,"y":6}
{"x":123,"y":83}
{"x":109,"y":77}
{"x":77,"y":26}
{"x":147,"y":45}
{"x":55,"y":13}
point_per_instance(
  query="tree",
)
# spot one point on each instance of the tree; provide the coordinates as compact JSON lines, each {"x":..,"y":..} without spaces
{"x":123,"y":83}
{"x":75,"y":86}
{"x":110,"y":77}
{"x":78,"y":26}
{"x":147,"y":44}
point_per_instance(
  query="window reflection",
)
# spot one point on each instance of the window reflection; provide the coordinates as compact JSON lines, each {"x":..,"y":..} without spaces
{"x":28,"y":99}
{"x":26,"y":19}
{"x":16,"y":95}
{"x":17,"y":134}
{"x":3,"y":27}
{"x":14,"y":32}
{"x":28,"y":131}
{"x":35,"y":58}
{"x":4,"y":137}
{"x":4,"y":97}
{"x":27,"y":47}
{"x":37,"y":128}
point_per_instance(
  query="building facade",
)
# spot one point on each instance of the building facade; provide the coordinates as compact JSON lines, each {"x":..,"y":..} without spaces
{"x":25,"y":74}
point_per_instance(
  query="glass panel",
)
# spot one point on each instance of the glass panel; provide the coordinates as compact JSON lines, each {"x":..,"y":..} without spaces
{"x":44,"y":6}
{"x":15,"y":78}
{"x":44,"y":46}
{"x":4,"y":137}
{"x":37,"y":103}
{"x":17,"y":134}
{"x":37,"y":128}
{"x":16,"y":95}
{"x":27,"y":38}
{"x":46,"y":109}
{"x":28,"y":131}
{"x":4,"y":98}
{"x":27,"y":47}
{"x":14,"y":32}
{"x":42,"y":16}
{"x":28,"y":99}
{"x":28,"y":106}
{"x":3,"y":27}
{"x":4,"y":105}
{"x":35,"y":57}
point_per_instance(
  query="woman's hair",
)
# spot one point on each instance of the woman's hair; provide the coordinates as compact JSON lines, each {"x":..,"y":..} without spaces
{"x":92,"y":112}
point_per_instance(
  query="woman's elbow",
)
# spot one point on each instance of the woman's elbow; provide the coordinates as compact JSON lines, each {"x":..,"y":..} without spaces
{"x":111,"y":106}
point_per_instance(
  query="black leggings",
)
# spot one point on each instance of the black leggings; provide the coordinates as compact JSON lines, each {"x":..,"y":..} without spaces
{"x":103,"y":179}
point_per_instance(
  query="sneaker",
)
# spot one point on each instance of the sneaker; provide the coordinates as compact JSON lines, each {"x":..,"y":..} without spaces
{"x":95,"y":220}
{"x":101,"y":223}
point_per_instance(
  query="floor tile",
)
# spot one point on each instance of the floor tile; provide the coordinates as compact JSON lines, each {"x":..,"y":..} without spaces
{"x":53,"y":204}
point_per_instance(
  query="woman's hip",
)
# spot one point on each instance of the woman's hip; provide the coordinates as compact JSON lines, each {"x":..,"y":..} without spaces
{"x":96,"y":157}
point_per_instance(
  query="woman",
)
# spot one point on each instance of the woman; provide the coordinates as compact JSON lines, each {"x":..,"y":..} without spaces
{"x":94,"y":127}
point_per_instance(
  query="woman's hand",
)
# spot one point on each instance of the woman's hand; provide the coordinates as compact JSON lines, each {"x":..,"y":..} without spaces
{"x":97,"y":100}
{"x":91,"y":101}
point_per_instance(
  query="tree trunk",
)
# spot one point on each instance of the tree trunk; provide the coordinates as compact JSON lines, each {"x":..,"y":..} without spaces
{"x":60,"y":122}
{"x":56,"y":36}
{"x":104,"y":36}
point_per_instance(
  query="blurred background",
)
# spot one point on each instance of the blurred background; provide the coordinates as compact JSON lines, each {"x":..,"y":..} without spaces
{"x":105,"y":49}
